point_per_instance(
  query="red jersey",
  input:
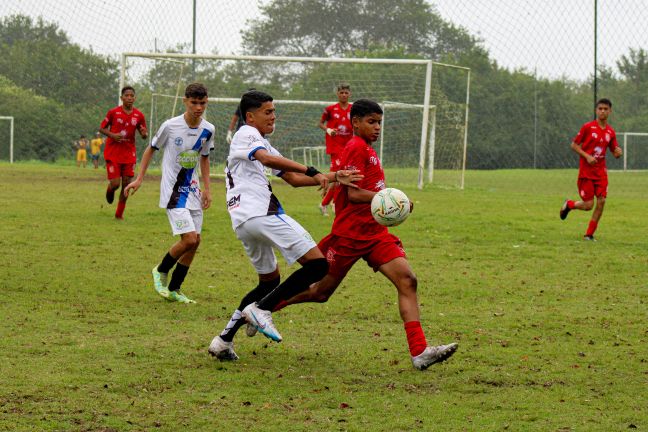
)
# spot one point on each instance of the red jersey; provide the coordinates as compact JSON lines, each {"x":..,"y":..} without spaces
{"x":340,"y":120}
{"x":120,"y":122}
{"x":354,"y":220}
{"x":594,"y":141}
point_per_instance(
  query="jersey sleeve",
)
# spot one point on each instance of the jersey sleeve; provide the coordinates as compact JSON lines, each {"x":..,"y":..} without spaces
{"x":326,"y":115}
{"x":159,"y":140}
{"x":208,"y":145}
{"x":580,"y":137}
{"x":613,"y":141}
{"x":107,"y":121}
{"x":354,"y":157}
{"x":245,"y":144}
{"x":142,"y":121}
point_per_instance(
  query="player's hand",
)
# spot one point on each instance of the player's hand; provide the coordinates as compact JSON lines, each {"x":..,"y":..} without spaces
{"x":617,"y":152}
{"x":331,"y":131}
{"x":411,"y":206}
{"x":143,"y":131}
{"x":348,"y":177}
{"x":116,"y":137}
{"x":322,"y":180}
{"x":132,"y":187}
{"x":206,"y":199}
{"x":228,"y":137}
{"x":591,"y":160}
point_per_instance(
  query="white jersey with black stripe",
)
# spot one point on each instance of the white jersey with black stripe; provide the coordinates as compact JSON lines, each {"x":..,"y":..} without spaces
{"x":249,"y":193}
{"x":183,"y":147}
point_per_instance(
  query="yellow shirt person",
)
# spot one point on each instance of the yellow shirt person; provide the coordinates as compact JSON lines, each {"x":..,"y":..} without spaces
{"x":81,"y":145}
{"x":95,"y":149}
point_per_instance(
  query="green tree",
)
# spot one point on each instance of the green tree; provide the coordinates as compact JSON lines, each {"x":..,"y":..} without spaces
{"x":327,"y":27}
{"x":37,"y":55}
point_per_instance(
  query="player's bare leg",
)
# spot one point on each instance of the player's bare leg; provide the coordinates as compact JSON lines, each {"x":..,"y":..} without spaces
{"x":185,"y":249}
{"x":596,"y":217}
{"x":570,"y":205}
{"x":399,"y":272}
{"x":319,"y":292}
{"x":121,"y":204}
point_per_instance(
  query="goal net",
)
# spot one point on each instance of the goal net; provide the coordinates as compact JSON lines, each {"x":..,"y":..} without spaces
{"x":635,"y":156}
{"x":425,"y":104}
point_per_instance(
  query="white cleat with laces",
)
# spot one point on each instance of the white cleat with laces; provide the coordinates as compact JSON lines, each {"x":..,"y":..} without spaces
{"x":262,"y":320}
{"x":434,"y":354}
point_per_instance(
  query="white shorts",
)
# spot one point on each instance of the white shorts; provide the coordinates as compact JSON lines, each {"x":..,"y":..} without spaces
{"x":183,"y":220}
{"x":260,"y":234}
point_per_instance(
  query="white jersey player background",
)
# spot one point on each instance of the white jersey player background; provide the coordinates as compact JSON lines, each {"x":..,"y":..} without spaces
{"x":183,"y":146}
{"x":249,"y":193}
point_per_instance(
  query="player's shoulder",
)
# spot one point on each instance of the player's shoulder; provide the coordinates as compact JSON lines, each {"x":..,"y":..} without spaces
{"x":208,"y":126}
{"x":137,"y":112}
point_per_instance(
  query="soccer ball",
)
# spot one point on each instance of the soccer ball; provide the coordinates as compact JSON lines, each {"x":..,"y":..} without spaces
{"x":390,"y":207}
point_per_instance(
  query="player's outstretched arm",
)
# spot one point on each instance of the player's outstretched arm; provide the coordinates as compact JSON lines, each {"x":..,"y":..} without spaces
{"x":133,"y":186}
{"x":291,"y":167}
{"x":360,"y":195}
{"x":345,"y":177}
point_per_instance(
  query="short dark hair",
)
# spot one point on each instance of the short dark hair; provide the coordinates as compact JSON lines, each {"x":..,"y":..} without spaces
{"x":196,"y":90}
{"x":343,"y":86}
{"x":252,"y":100}
{"x":604,"y":101}
{"x":82,"y":136}
{"x":126,"y":88}
{"x":365,"y":107}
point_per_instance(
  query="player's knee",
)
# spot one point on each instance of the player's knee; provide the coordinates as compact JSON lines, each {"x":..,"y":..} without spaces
{"x":191,"y":241}
{"x":588,"y":205}
{"x":408,"y":283}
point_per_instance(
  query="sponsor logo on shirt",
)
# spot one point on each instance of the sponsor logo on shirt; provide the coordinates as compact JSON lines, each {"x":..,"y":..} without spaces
{"x":374,"y":160}
{"x":380,"y":184}
{"x":188,"y":159}
{"x":234,"y":202}
{"x":192,"y":188}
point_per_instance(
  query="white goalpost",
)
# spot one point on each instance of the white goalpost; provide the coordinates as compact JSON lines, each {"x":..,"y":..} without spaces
{"x":11,"y":136}
{"x":425,"y":104}
{"x":633,"y":158}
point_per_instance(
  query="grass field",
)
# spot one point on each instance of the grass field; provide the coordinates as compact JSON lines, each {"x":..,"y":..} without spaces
{"x":553,"y":331}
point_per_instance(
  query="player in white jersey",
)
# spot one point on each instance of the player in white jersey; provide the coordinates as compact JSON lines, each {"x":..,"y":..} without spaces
{"x":261,"y":224}
{"x":187,"y":141}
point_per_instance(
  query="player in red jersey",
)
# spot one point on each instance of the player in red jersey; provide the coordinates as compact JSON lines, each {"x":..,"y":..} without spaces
{"x":355,"y":234}
{"x":336,"y":122}
{"x":119,"y":126}
{"x":591,"y":143}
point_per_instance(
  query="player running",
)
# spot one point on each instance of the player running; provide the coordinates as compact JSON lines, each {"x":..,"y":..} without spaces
{"x":187,"y":141}
{"x":336,"y":122}
{"x":119,"y":126}
{"x":355,"y":234}
{"x":591,"y":144}
{"x":259,"y":221}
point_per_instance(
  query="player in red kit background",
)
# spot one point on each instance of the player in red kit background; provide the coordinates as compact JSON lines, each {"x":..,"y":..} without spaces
{"x":336,"y":122}
{"x":120,"y":155}
{"x":355,"y":234}
{"x":591,"y":144}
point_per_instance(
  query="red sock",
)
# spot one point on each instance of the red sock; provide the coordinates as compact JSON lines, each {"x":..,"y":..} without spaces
{"x":328,"y":197}
{"x":591,"y":228}
{"x":121,"y":205}
{"x":570,"y":204}
{"x":415,"y":337}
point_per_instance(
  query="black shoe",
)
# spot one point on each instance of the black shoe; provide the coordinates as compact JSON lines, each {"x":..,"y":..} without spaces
{"x":589,"y":238}
{"x":564,"y":210}
{"x":110,"y":195}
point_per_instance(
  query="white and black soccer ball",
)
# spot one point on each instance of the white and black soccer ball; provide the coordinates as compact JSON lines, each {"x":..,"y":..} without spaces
{"x":390,"y":207}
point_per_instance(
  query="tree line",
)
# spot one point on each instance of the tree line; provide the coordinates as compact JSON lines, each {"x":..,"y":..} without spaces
{"x":57,"y":89}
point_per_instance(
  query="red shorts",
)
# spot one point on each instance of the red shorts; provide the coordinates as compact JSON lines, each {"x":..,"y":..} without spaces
{"x":589,"y":188}
{"x":341,"y":253}
{"x":117,"y":170}
{"x":336,"y":162}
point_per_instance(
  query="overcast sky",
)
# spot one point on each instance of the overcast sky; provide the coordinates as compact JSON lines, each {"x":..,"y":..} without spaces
{"x":554,"y":36}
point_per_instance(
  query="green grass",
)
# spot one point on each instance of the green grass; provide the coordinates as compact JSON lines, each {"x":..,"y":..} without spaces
{"x":552,"y":330}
